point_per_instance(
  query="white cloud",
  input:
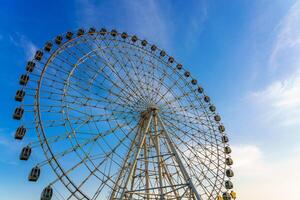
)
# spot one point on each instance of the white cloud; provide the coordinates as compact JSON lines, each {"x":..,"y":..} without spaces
{"x":285,"y":52}
{"x":150,"y":20}
{"x":29,"y":48}
{"x":158,"y":21}
{"x":144,"y":18}
{"x":279,"y":102}
{"x":9,"y":148}
{"x":258,"y":178}
{"x":87,"y":13}
{"x":198,"y":14}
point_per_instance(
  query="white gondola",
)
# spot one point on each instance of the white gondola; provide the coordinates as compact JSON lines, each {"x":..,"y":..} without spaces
{"x":187,"y":74}
{"x":212,"y":108}
{"x":103,"y":31}
{"x":228,"y":185}
{"x":69,"y":35}
{"x":227,"y":150}
{"x":162,"y":53}
{"x":179,"y":66}
{"x":229,"y":161}
{"x":171,"y":60}
{"x":114,"y":33}
{"x":47,"y":193}
{"x":58,"y":39}
{"x":25,"y":153}
{"x":48,"y":46}
{"x":34,"y":174}
{"x":134,"y":38}
{"x":229,"y":173}
{"x":217,"y":118}
{"x":206,"y":99}
{"x":20,"y":133}
{"x":225,"y":139}
{"x":221,"y":128}
{"x":92,"y":30}
{"x":144,"y":43}
{"x":194,"y":81}
{"x":24,"y":79}
{"x":153,"y":48}
{"x":80,"y":32}
{"x":226,"y":196}
{"x":18,"y":113}
{"x":30,"y":66}
{"x":20,"y":95}
{"x":124,"y":35}
{"x":38,"y":55}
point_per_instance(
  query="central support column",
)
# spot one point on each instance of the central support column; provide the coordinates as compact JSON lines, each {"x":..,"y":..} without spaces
{"x":152,"y":133}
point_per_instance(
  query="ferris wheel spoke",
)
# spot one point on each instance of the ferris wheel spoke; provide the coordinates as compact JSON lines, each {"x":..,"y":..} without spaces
{"x":135,"y":66}
{"x":135,"y":72}
{"x":130,"y":65}
{"x":178,"y":98}
{"x":120,"y":140}
{"x":201,"y":146}
{"x":187,"y":111}
{"x":123,"y":66}
{"x":143,"y":65}
{"x":97,"y":169}
{"x":115,"y":115}
{"x":99,"y":116}
{"x":186,"y":120}
{"x":85,"y":142}
{"x":181,"y":124}
{"x":96,"y":137}
{"x":51,"y":139}
{"x":84,"y":95}
{"x":202,"y":163}
{"x":69,"y":170}
{"x":184,"y":133}
{"x":107,"y":77}
{"x":111,"y":68}
{"x":74,"y":97}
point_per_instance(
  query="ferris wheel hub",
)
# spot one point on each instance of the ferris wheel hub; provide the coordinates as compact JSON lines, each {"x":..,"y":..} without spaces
{"x":126,"y":117}
{"x":150,"y":110}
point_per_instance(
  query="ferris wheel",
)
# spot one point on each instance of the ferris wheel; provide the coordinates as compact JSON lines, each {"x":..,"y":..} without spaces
{"x":118,"y":118}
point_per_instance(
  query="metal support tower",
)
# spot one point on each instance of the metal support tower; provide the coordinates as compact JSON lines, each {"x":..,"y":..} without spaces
{"x":146,"y":163}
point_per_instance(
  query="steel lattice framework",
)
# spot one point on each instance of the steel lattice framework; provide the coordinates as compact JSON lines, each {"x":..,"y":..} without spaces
{"x":118,"y":118}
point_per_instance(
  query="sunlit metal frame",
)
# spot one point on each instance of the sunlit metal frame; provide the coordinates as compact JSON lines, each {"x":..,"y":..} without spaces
{"x":203,"y":179}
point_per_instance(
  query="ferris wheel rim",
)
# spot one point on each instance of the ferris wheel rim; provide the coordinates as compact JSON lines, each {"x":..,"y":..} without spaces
{"x":40,"y":128}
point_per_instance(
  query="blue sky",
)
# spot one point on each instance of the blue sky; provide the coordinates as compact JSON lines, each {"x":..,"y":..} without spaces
{"x":244,"y":53}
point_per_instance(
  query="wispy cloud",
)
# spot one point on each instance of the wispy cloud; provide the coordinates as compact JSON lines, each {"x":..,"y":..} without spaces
{"x":279,"y":102}
{"x":158,"y":21}
{"x":145,"y":18}
{"x":197,"y":15}
{"x":260,"y":178}
{"x":29,"y":48}
{"x":9,"y":147}
{"x":285,"y":52}
{"x":6,"y":140}
{"x":150,"y":20}
{"x":88,"y":13}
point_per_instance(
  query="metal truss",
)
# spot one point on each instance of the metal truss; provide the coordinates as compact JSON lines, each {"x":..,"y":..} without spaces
{"x":118,"y":118}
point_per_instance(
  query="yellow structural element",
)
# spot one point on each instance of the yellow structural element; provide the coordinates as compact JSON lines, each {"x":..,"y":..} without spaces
{"x":233,"y":194}
{"x":219,"y":197}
